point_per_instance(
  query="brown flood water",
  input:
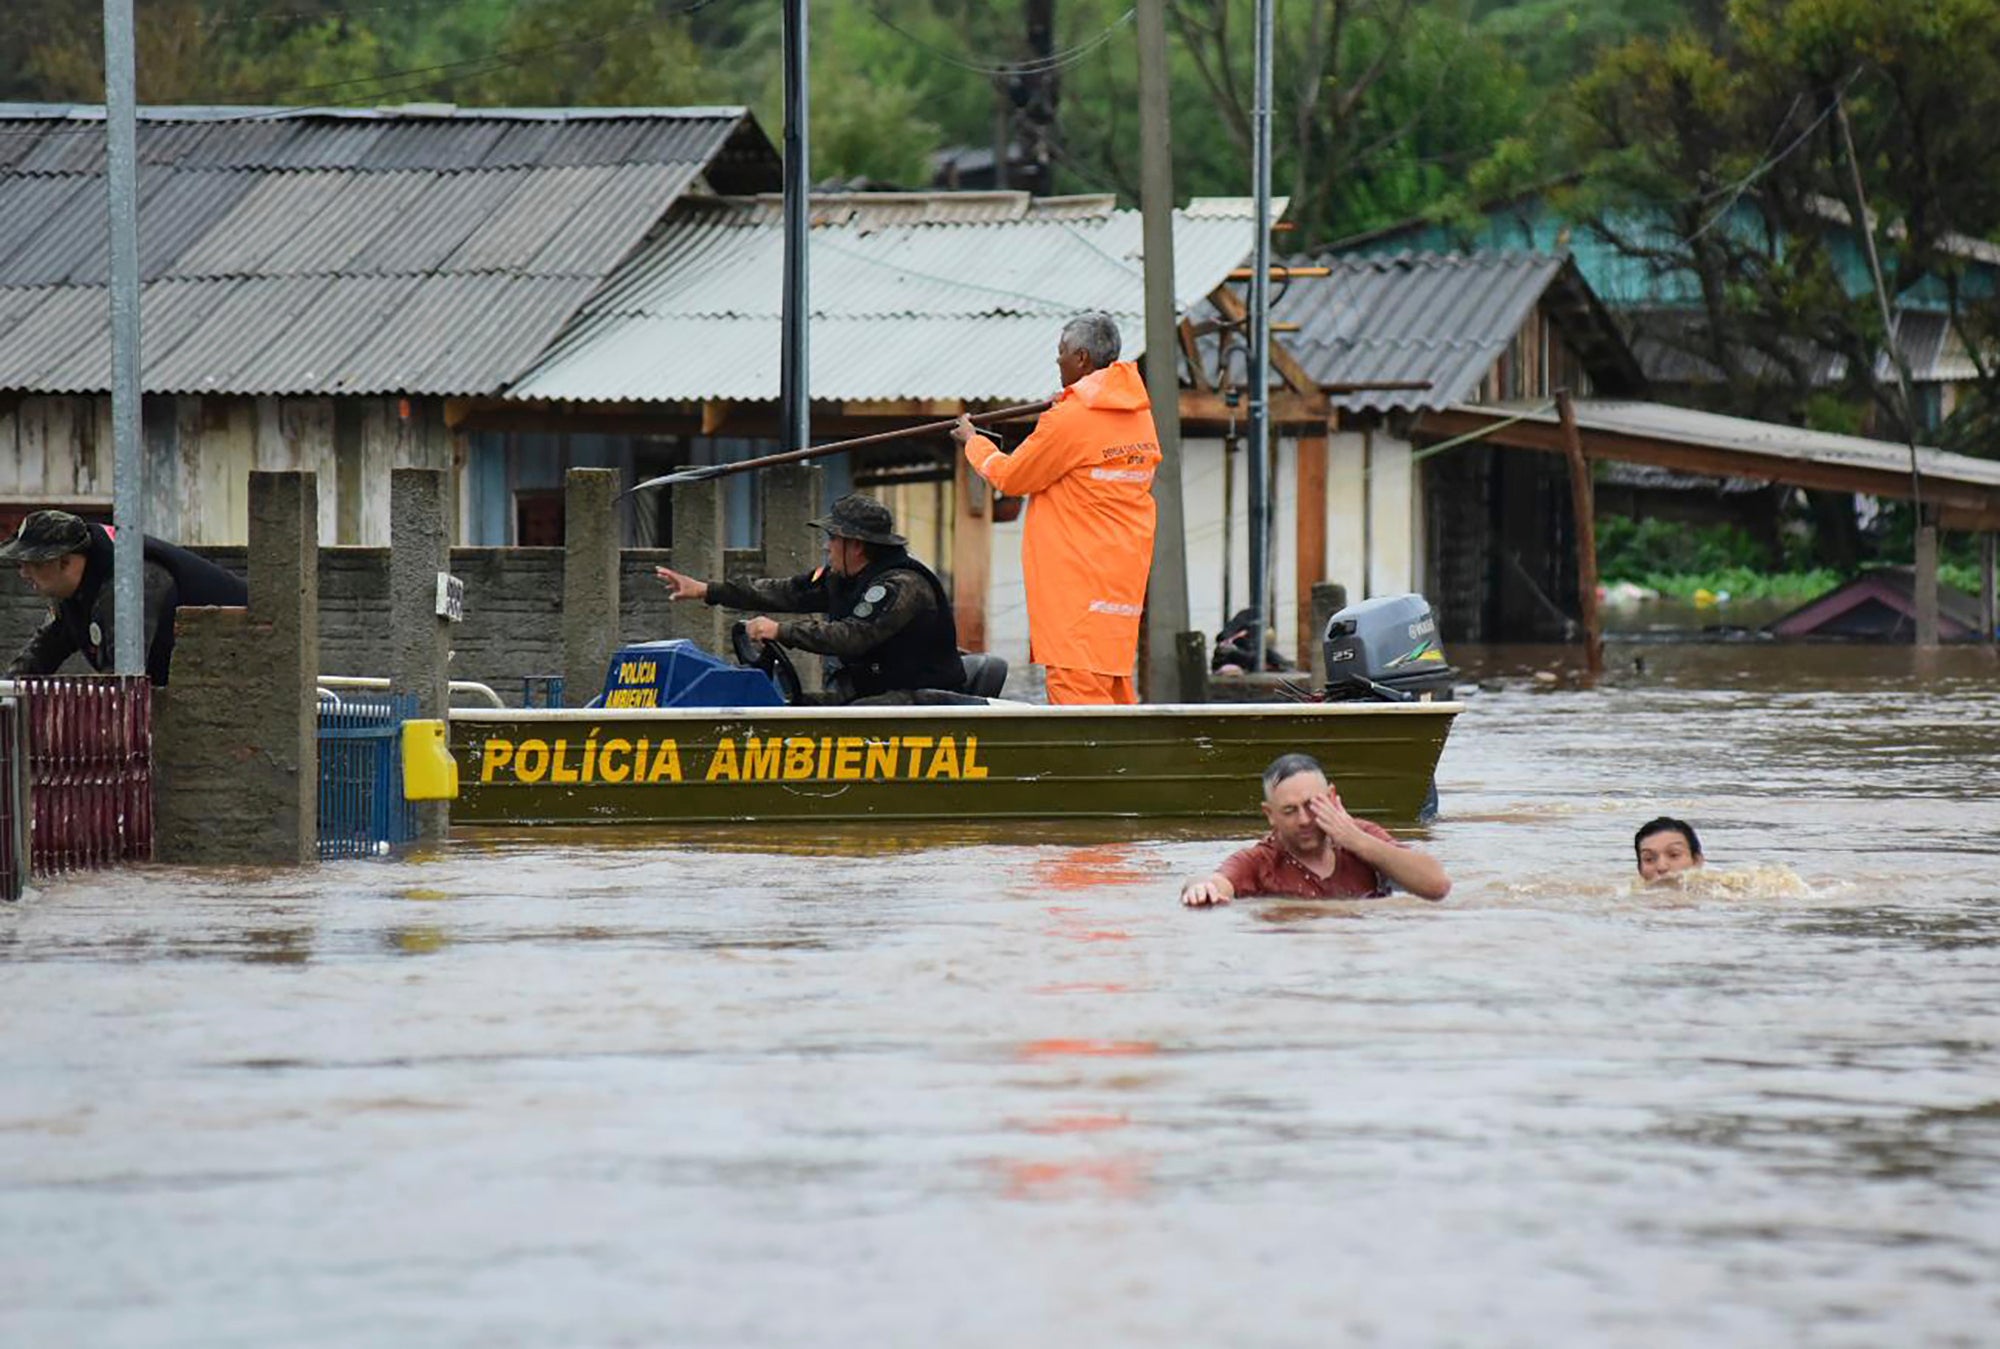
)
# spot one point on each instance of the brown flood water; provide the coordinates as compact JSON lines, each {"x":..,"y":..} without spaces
{"x":972,"y":1086}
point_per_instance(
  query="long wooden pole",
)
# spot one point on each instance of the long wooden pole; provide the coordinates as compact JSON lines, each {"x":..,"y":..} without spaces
{"x":1583,"y":503}
{"x":703,"y":472}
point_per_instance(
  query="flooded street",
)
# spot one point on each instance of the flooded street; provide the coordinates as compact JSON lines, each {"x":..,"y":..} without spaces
{"x":970,"y":1087}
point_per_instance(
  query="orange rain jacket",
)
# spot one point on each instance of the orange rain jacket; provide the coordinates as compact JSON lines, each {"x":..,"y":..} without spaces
{"x":1088,"y":544}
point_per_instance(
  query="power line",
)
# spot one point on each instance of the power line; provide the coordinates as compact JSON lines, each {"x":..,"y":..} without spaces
{"x":1040,"y":66}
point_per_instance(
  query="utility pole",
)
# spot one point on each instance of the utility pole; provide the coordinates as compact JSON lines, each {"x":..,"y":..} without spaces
{"x":1035,"y":93}
{"x":795,"y":371}
{"x":128,"y":499}
{"x":1166,"y":593}
{"x":1260,"y":340}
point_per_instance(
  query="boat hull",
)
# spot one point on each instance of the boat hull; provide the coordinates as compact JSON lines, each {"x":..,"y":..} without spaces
{"x":523,"y":767}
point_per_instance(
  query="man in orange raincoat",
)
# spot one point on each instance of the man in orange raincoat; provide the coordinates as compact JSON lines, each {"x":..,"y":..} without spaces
{"x":1088,"y":545}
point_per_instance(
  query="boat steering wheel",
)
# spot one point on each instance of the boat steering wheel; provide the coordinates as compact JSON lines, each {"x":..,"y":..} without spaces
{"x":768,"y":657}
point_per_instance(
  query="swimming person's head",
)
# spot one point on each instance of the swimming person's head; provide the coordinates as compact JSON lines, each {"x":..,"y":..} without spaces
{"x":1665,"y":846}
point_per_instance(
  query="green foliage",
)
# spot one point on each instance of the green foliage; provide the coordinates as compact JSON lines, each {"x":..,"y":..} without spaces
{"x":1630,"y":550}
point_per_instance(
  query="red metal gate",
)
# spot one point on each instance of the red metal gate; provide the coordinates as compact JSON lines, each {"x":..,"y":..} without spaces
{"x":90,"y":770}
{"x":13,"y":797}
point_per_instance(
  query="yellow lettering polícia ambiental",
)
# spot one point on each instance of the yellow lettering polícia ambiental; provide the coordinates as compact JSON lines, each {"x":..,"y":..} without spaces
{"x":881,"y":758}
{"x":760,"y":758}
{"x":799,"y":752}
{"x":847,"y":758}
{"x":666,"y":762}
{"x":494,"y":755}
{"x":531,"y":760}
{"x":604,"y":769}
{"x":560,"y":769}
{"x":945,"y":763}
{"x":722,"y":764}
{"x":916,"y":745}
{"x":973,"y":768}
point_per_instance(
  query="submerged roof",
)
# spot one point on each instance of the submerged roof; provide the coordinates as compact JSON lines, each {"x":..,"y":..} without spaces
{"x":914,"y":295}
{"x":426,"y":249}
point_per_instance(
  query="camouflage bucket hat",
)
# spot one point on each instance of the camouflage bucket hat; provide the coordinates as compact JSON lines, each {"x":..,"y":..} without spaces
{"x":45,"y":536}
{"x":855,"y":516}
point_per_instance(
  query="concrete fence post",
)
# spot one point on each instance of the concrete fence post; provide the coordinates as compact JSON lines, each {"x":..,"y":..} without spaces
{"x":1328,"y":599}
{"x":699,"y":537}
{"x":236,"y":741}
{"x":591,"y":538}
{"x":420,"y":641}
{"x":792,"y":497}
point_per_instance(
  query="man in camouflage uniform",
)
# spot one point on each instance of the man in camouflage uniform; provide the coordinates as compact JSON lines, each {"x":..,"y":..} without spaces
{"x":888,"y":625}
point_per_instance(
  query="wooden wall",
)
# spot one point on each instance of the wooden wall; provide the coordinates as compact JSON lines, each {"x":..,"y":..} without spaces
{"x":56,"y":450}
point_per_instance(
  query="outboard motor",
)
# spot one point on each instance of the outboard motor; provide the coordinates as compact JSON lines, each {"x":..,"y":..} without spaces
{"x":1386,"y":649}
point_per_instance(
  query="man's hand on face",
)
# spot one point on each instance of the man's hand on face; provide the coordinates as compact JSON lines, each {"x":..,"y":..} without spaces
{"x":761,"y":629}
{"x":681,"y":587}
{"x":963,"y":430}
{"x":1335,"y":822}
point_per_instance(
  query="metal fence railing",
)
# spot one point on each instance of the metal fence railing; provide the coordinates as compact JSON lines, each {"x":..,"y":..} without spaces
{"x":362,"y":811}
{"x":89,"y":751}
{"x":13,"y":798}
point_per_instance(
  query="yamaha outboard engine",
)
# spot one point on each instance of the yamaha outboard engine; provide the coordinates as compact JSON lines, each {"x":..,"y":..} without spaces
{"x":1386,"y":649}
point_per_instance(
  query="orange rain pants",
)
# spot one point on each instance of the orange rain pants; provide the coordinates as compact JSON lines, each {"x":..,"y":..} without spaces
{"x":1071,"y":687}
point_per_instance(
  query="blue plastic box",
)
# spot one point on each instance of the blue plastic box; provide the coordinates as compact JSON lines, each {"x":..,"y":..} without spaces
{"x":680,"y":674}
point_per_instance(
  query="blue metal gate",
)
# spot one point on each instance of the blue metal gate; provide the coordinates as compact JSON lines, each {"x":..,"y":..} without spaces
{"x":362,"y":812}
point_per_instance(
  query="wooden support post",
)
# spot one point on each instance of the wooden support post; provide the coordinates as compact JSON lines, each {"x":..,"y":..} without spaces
{"x":1311,"y":565}
{"x":972,"y":557}
{"x":1927,"y":585}
{"x":1583,"y":502}
{"x":1989,"y":587}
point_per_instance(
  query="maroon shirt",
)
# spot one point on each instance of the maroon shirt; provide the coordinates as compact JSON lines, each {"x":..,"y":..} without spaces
{"x":1265,"y":870}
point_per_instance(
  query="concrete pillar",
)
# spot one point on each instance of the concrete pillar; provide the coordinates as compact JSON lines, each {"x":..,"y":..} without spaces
{"x":697,"y":551}
{"x":1191,"y":654}
{"x":590,"y":580}
{"x":236,"y":739}
{"x":1927,"y":586}
{"x":420,"y":509}
{"x":1328,"y":599}
{"x":792,"y":497}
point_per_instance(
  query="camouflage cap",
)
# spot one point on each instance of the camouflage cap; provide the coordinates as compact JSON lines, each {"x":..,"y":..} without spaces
{"x":45,"y":536}
{"x":855,"y":516}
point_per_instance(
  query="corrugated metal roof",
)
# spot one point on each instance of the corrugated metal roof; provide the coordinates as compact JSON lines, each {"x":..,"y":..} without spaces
{"x":291,"y":251}
{"x":961,"y":309}
{"x":1445,"y":318}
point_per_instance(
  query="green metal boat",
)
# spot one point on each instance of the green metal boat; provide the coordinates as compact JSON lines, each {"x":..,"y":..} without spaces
{"x":998,"y":761}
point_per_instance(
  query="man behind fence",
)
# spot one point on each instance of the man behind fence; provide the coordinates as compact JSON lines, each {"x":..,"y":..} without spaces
{"x":68,"y":562}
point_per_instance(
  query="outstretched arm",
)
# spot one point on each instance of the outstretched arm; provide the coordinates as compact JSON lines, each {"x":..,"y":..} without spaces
{"x":1041,"y":459}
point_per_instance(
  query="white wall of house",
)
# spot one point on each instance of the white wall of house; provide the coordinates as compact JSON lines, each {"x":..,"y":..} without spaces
{"x":1393,"y":545}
